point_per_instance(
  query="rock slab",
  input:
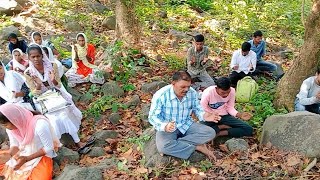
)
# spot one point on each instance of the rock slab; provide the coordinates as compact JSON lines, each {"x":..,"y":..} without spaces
{"x":297,"y":131}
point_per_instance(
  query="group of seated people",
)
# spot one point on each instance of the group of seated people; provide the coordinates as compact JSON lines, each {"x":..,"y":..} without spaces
{"x":173,"y":106}
{"x":34,"y":134}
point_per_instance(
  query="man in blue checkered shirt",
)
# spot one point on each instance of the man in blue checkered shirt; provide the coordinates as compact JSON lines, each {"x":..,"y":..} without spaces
{"x":170,"y":114}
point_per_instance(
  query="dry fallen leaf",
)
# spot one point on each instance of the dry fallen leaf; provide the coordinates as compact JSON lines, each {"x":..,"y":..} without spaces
{"x":293,"y":160}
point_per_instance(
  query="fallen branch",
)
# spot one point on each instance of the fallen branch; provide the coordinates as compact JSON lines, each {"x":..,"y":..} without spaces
{"x":311,"y":165}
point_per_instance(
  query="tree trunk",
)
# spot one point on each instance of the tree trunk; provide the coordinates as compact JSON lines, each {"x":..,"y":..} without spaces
{"x":127,"y":23}
{"x":304,"y":65}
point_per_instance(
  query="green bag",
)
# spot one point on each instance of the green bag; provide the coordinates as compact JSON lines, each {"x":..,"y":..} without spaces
{"x":246,"y":89}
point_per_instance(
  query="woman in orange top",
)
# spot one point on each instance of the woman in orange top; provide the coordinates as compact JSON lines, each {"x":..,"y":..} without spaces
{"x":83,"y":68}
{"x":33,"y":144}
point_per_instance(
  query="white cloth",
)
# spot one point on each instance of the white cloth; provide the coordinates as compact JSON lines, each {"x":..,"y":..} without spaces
{"x":66,"y":120}
{"x":244,"y":62}
{"x":52,"y":59}
{"x":72,"y":75}
{"x":75,"y":78}
{"x":13,"y":82}
{"x":308,"y":91}
{"x":15,"y":63}
{"x":43,"y":139}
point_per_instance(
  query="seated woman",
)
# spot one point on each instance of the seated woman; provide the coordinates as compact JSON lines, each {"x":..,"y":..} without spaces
{"x":13,"y":88}
{"x":15,"y":43}
{"x":36,"y":38}
{"x":83,"y":68}
{"x":42,"y":76}
{"x":308,"y":99}
{"x":33,"y":144}
{"x":18,"y":63}
{"x":52,"y":59}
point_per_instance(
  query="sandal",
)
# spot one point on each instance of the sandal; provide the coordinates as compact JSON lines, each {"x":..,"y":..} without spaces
{"x":90,"y":141}
{"x":84,"y":150}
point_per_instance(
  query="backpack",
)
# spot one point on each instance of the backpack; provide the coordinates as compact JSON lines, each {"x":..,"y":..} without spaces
{"x":246,"y":88}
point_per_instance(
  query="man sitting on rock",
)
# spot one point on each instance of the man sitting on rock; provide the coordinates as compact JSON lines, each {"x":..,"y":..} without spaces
{"x":170,"y":114}
{"x":219,"y":100}
{"x":197,"y":62}
{"x":243,"y":63}
{"x":258,"y":45}
{"x":308,"y":98}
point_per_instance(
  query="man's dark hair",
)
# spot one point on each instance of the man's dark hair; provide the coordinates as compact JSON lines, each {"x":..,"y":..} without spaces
{"x":12,"y":36}
{"x":318,"y":70}
{"x":245,"y":47}
{"x":198,"y":38}
{"x":181,"y":75}
{"x":224,"y":83}
{"x":257,"y":34}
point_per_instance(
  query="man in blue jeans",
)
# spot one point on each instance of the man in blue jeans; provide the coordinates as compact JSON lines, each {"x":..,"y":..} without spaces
{"x":258,"y":45}
{"x":170,"y":114}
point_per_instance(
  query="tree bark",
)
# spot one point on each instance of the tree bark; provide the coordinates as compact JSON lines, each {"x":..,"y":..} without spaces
{"x":304,"y":65}
{"x":127,"y":23}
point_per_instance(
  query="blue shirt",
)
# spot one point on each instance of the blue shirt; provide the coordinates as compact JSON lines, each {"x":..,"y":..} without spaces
{"x":260,"y":49}
{"x":166,"y":107}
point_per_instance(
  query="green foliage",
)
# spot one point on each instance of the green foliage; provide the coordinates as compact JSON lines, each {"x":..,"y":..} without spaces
{"x":261,"y":104}
{"x":175,"y":62}
{"x":202,"y":4}
{"x":128,"y":87}
{"x":57,"y":41}
{"x":104,"y":103}
{"x":140,"y":141}
{"x":205,"y":165}
{"x":5,"y":21}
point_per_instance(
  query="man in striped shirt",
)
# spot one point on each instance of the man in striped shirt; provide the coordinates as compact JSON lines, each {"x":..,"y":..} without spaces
{"x":170,"y":114}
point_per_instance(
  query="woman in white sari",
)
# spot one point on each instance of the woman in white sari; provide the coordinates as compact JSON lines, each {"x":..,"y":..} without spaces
{"x":83,"y":68}
{"x":41,"y":76}
{"x":33,"y":144}
{"x":13,"y":88}
{"x":36,"y":38}
{"x":18,"y":63}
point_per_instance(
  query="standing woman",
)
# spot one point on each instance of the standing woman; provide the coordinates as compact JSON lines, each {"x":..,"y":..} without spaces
{"x":42,"y":76}
{"x":18,"y":63}
{"x":83,"y":68}
{"x":33,"y":144}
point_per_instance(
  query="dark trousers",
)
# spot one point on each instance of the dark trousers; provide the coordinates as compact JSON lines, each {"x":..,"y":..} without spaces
{"x":235,"y":77}
{"x":238,"y":127}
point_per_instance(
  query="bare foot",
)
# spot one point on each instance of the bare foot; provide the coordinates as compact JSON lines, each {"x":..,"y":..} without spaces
{"x":203,"y":149}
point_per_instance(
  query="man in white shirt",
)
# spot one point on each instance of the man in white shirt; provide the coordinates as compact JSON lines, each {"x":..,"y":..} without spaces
{"x":243,"y":63}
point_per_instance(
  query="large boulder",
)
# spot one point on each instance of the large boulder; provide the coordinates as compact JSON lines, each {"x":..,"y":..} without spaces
{"x":279,"y":72}
{"x":96,"y":152}
{"x":112,"y":89}
{"x":66,"y":155}
{"x":109,"y":22}
{"x":72,"y":172}
{"x":143,"y":115}
{"x":73,"y":26}
{"x":11,"y":7}
{"x":101,"y":137}
{"x":153,"y":86}
{"x":95,"y":6}
{"x":4,"y":32}
{"x":297,"y":131}
{"x":237,"y":145}
{"x":114,"y":118}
